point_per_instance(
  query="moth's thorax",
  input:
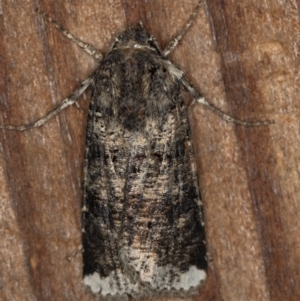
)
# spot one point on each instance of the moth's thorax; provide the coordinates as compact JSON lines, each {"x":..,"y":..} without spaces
{"x":136,"y":38}
{"x":132,"y":46}
{"x":133,"y":84}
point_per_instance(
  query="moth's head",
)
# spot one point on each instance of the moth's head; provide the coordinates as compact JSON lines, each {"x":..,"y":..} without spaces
{"x":136,"y":38}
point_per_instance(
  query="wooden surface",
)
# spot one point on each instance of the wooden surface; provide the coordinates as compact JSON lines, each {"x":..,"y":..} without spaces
{"x":242,"y":55}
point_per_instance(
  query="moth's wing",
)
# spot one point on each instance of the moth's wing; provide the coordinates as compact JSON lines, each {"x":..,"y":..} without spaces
{"x":162,"y":236}
{"x":105,"y":168}
{"x":143,"y":230}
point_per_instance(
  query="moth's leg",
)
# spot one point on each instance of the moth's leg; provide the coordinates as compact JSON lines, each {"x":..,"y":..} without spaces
{"x":73,"y":98}
{"x":200,"y":99}
{"x":96,"y":54}
{"x":65,"y":103}
{"x":171,"y":46}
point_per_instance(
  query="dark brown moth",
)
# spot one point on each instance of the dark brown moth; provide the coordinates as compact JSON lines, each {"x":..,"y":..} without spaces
{"x":143,"y":230}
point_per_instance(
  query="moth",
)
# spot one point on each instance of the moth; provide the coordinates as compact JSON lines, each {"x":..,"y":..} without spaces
{"x":143,"y":230}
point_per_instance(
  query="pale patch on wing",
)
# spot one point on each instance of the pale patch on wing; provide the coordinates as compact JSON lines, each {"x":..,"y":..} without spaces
{"x":192,"y":278}
{"x":111,"y":285}
{"x":93,"y":281}
{"x":162,"y":278}
{"x":167,"y":277}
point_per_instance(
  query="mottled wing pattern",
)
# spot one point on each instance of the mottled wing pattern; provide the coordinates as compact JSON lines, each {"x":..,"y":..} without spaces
{"x":162,"y":236}
{"x":143,"y":231}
